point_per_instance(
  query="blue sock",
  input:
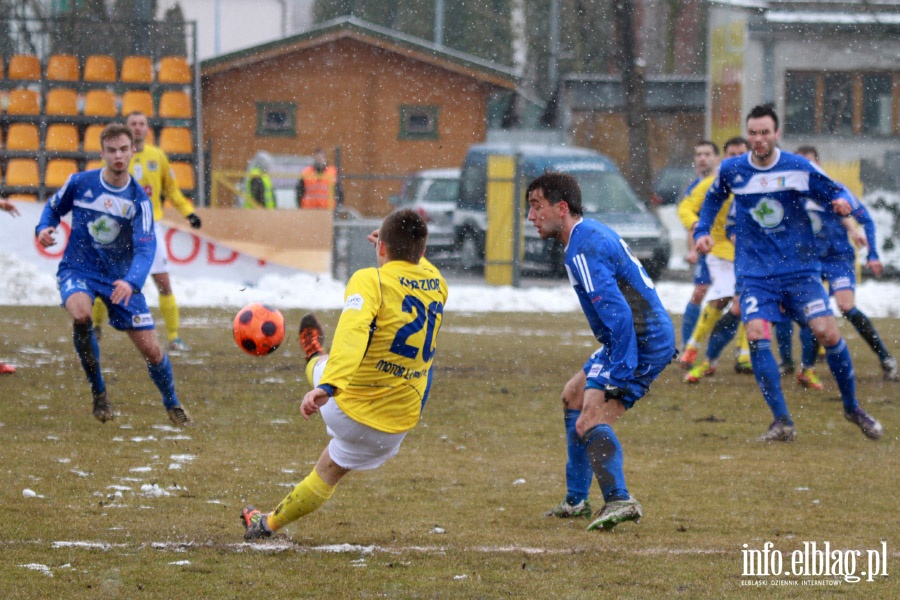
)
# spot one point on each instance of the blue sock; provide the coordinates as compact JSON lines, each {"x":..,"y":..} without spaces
{"x":88,"y":351}
{"x":784,"y":335}
{"x":578,"y":465}
{"x":841,"y":365}
{"x":722,"y":334}
{"x":605,"y":452}
{"x":689,"y":322}
{"x":765,"y":369}
{"x":865,"y":328}
{"x":809,"y":347}
{"x":162,"y":377}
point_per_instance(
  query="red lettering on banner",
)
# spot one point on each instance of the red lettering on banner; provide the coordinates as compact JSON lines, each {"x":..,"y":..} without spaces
{"x":61,"y":244}
{"x":195,"y":248}
{"x":213,"y":260}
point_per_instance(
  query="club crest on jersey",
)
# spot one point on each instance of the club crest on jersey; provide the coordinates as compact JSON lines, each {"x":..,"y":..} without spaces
{"x":142,"y":320}
{"x":814,"y":307}
{"x":354,"y":302}
{"x":104,"y":230}
{"x":768,"y":212}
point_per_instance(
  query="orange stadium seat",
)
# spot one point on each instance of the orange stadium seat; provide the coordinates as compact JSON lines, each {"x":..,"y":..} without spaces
{"x":92,"y":138}
{"x":23,"y":101}
{"x":22,"y":197}
{"x":175,"y":105}
{"x":24,"y":66}
{"x":61,"y":101}
{"x":176,"y":140}
{"x":173,"y":69}
{"x":100,"y":67}
{"x":94,"y":164}
{"x":22,"y":172}
{"x":184,"y":175}
{"x":136,"y":69}
{"x":100,"y":103}
{"x":58,"y":170}
{"x":62,"y":67}
{"x":61,"y":137}
{"x":23,"y":136}
{"x":137,"y":100}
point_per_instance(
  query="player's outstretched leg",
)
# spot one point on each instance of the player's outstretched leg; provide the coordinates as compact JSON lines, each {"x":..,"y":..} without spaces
{"x":162,"y":377}
{"x":578,"y":474}
{"x":867,"y":331}
{"x":768,"y":377}
{"x":841,"y":365}
{"x":89,"y":354}
{"x":606,"y":456}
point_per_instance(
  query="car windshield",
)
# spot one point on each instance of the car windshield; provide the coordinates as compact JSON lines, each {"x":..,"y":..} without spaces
{"x":607,"y":192}
{"x":443,"y":190}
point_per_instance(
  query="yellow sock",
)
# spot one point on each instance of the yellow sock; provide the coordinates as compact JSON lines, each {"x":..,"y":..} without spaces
{"x":310,"y":494}
{"x":743,"y":344}
{"x":99,"y":313}
{"x":169,"y":310}
{"x":708,"y":319}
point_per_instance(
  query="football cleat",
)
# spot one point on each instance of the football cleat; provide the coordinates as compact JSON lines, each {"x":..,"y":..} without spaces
{"x":6,"y":369}
{"x":615,"y":512}
{"x":178,"y":345}
{"x":103,"y":410}
{"x":699,"y":371}
{"x":779,"y":431}
{"x":255,"y":524}
{"x":687,"y":358}
{"x":786,"y":368}
{"x":869,"y":426}
{"x":310,"y":336}
{"x":743,"y":366}
{"x":808,"y":379}
{"x":564,"y":510}
{"x":891,"y":371}
{"x":179,"y":416}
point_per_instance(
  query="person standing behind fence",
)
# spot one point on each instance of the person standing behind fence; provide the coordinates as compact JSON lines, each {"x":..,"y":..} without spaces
{"x":318,"y":186}
{"x":258,"y":191}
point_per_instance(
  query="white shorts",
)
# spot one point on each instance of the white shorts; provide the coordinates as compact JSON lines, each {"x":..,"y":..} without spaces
{"x":160,"y":261}
{"x":356,"y":446}
{"x":721,"y":272}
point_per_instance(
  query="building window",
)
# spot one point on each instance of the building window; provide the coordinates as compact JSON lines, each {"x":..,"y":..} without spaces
{"x":276,"y":119}
{"x":418,"y":122}
{"x":842,"y":103}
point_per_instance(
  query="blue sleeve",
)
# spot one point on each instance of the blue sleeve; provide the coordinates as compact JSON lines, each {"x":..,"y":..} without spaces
{"x":862,"y":216}
{"x":144,"y":243}
{"x":717,"y":194}
{"x":57,"y":205}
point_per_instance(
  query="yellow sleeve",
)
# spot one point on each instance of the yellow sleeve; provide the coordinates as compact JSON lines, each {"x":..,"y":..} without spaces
{"x":170,"y":189}
{"x":689,"y":209}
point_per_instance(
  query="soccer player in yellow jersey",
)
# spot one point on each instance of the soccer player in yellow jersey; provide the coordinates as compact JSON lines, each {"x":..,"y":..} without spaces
{"x":371,"y":389}
{"x":150,"y":167}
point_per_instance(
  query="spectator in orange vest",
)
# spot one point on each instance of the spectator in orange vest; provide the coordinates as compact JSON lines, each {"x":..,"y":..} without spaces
{"x":318,"y":186}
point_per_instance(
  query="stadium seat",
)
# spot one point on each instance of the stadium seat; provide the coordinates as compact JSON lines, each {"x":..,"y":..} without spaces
{"x":100,"y":103}
{"x":94,"y":164}
{"x":61,"y":137}
{"x":23,"y":136}
{"x":92,"y":138}
{"x":137,"y":100}
{"x":61,"y":101}
{"x":184,"y":175}
{"x":22,"y":172}
{"x":136,"y":69}
{"x":176,"y":140}
{"x":62,"y":67}
{"x":173,"y":69}
{"x":23,"y":197}
{"x":58,"y":170}
{"x":175,"y":105}
{"x":100,"y":67}
{"x":24,"y":66}
{"x":23,"y":101}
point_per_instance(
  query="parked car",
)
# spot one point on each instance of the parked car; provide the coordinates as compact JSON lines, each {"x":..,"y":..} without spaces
{"x":432,"y":193}
{"x":670,"y":183}
{"x":606,"y":195}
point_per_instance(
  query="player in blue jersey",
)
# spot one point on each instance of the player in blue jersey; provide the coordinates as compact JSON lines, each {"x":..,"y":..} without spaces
{"x":108,"y":255}
{"x":776,"y":262}
{"x":627,"y":317}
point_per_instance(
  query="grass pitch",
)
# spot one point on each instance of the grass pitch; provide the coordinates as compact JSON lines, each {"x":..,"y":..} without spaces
{"x":136,"y":508}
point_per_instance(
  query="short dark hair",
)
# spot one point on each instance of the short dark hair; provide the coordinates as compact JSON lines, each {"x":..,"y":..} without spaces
{"x":763,"y":110}
{"x":558,"y":187}
{"x":735,"y":141}
{"x":808,"y":150}
{"x":709,"y":143}
{"x":404,"y":234}
{"x":115,"y":130}
{"x":135,"y":113}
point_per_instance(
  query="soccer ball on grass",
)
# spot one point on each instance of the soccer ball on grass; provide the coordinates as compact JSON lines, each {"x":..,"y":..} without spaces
{"x":258,"y":329}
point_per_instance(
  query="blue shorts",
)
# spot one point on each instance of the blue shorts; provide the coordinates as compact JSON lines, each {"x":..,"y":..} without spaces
{"x":841,"y":275}
{"x":701,"y":272}
{"x":597,"y":371}
{"x":802,"y":298}
{"x":134,"y":316}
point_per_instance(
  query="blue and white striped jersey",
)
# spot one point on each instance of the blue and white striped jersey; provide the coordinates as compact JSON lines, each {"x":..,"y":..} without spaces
{"x":112,"y":229}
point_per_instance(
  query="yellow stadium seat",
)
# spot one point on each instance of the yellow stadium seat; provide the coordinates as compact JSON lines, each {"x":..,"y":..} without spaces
{"x":137,"y":100}
{"x":22,"y":197}
{"x":94,"y":164}
{"x":176,"y":140}
{"x":22,"y":136}
{"x":136,"y":69}
{"x":61,"y":101}
{"x":22,"y":172}
{"x":173,"y":69}
{"x":175,"y":105}
{"x":62,"y":67}
{"x":100,"y":103}
{"x":92,"y":138}
{"x":23,"y":101}
{"x":61,"y":137}
{"x":184,"y":175}
{"x":58,"y":170}
{"x":100,"y":67}
{"x":24,"y":66}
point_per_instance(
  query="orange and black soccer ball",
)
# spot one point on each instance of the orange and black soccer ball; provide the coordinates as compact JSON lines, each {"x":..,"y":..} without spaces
{"x":258,"y":329}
